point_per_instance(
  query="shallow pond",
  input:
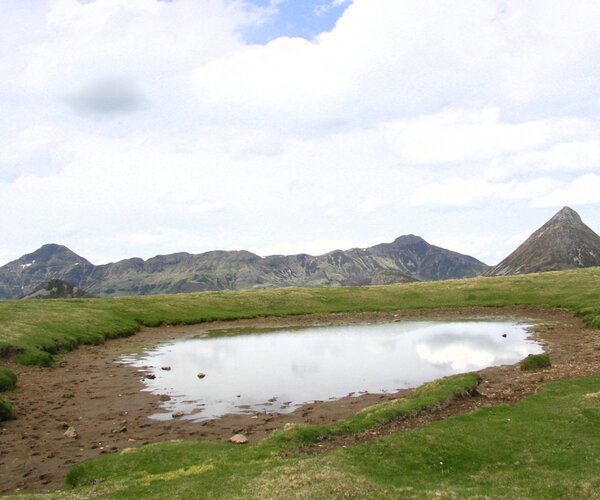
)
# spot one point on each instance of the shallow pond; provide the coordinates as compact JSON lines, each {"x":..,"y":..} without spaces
{"x":278,"y":370}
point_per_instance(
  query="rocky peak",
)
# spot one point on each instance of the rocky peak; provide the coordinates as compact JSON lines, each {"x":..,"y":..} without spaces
{"x":565,"y":215}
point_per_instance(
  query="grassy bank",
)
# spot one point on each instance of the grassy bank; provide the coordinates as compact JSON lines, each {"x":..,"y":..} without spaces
{"x":222,"y":466}
{"x":36,"y":330}
{"x":546,"y":446}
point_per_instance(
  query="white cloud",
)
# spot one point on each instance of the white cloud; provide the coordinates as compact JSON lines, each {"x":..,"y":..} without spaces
{"x":468,"y":191}
{"x":370,"y":204}
{"x":582,"y":191}
{"x":454,"y":191}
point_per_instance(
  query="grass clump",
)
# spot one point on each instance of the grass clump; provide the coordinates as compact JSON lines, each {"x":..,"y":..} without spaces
{"x":535,"y":362}
{"x":8,"y":380}
{"x":5,"y":410}
{"x":35,"y":357}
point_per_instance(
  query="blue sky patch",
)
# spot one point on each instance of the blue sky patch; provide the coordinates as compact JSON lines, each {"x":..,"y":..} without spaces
{"x":296,"y":18}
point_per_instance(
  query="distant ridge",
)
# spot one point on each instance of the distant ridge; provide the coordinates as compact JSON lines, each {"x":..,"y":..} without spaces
{"x":564,"y":242}
{"x":408,"y":258}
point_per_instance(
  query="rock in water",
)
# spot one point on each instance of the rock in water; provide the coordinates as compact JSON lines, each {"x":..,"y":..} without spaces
{"x":238,"y":439}
{"x":201,"y":375}
{"x":71,"y":433}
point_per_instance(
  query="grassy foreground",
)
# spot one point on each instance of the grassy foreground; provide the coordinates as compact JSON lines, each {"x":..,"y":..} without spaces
{"x":547,"y":446}
{"x":36,"y":330}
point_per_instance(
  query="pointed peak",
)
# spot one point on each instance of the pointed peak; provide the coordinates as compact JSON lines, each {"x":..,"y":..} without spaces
{"x":51,"y":251}
{"x":566,"y":215}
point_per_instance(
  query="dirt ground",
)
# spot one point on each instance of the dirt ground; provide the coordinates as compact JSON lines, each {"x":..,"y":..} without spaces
{"x":90,"y":390}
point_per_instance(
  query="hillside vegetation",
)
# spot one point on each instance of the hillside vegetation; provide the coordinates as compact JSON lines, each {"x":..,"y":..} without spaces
{"x":37,"y":330}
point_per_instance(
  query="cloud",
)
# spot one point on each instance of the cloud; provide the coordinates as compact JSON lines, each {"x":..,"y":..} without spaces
{"x":454,"y":191}
{"x":457,"y":191}
{"x":582,"y":191}
{"x":474,"y":134}
{"x":324,"y":8}
{"x":107,"y":96}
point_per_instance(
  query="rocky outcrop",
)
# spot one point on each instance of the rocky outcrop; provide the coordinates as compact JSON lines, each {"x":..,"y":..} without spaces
{"x":56,"y":289}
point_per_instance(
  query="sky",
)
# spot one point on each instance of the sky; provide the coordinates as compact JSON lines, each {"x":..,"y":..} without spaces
{"x":144,"y":127}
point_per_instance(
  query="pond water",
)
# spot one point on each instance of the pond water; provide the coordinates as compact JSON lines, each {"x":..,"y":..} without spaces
{"x":278,"y":370}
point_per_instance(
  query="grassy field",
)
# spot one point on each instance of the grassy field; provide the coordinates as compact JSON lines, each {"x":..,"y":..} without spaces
{"x":37,"y":330}
{"x":546,"y":446}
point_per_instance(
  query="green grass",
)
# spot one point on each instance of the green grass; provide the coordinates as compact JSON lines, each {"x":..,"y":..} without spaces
{"x":8,"y":380}
{"x":546,"y":446}
{"x":426,"y":396}
{"x":6,"y":411}
{"x":535,"y":362}
{"x":189,"y":459}
{"x":38,"y":330}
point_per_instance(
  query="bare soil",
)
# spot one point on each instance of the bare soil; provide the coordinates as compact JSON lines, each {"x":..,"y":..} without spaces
{"x":90,"y":390}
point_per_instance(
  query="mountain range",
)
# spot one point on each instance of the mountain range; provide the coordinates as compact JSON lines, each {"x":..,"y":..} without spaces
{"x":564,"y":242}
{"x":408,"y":258}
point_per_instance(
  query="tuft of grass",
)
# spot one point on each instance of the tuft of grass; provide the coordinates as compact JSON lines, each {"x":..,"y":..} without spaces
{"x":8,"y":380}
{"x":535,"y":362}
{"x":6,"y":411}
{"x":35,"y":357}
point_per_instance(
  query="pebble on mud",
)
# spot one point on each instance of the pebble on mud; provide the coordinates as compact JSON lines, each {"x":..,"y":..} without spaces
{"x":177,"y":414}
{"x":166,"y":368}
{"x":71,"y":433}
{"x":201,"y":375}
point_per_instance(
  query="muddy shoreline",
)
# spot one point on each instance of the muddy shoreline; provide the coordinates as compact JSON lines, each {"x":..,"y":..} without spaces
{"x":101,"y":398}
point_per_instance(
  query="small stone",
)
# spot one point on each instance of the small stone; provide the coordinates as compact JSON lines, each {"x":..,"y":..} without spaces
{"x":71,"y":433}
{"x":177,"y":414}
{"x":164,"y":397}
{"x":504,"y":335}
{"x":201,"y":375}
{"x":166,"y":368}
{"x":238,"y":439}
{"x":151,"y":376}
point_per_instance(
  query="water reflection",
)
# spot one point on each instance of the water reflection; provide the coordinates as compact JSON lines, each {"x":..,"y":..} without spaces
{"x":276,"y":371}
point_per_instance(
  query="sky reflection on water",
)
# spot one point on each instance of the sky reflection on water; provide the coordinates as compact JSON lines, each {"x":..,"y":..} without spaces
{"x":278,"y":370}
